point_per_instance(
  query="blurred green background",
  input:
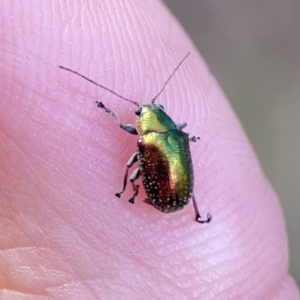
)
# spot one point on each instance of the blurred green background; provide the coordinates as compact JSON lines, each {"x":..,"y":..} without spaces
{"x":253,"y":49}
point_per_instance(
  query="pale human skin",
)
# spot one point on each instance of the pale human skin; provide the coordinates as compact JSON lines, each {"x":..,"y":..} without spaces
{"x":63,"y":233}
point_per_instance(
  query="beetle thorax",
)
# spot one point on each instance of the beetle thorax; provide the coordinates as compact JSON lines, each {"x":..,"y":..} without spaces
{"x":152,"y":118}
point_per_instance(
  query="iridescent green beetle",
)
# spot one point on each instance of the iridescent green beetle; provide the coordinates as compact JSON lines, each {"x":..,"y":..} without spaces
{"x":163,"y":154}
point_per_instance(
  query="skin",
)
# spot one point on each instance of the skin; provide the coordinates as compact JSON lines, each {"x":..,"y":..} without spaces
{"x":63,"y":233}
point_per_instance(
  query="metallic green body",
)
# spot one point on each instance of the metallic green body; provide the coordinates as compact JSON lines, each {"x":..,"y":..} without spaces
{"x":164,"y":160}
{"x":163,"y":153}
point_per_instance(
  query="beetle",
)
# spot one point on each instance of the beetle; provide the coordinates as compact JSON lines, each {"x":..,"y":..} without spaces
{"x":163,"y":155}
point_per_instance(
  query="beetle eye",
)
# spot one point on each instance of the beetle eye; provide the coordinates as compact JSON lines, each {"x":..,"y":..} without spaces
{"x":161,"y":106}
{"x":138,"y":111}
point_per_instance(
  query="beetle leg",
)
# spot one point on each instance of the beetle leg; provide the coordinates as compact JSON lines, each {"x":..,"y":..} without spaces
{"x":135,"y":175}
{"x":133,"y":159}
{"x":127,"y":127}
{"x":181,"y":125}
{"x":194,"y":138}
{"x":197,"y":214}
{"x":148,"y":201}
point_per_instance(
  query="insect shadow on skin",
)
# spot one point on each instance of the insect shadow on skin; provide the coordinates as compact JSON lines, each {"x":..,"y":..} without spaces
{"x":163,"y":155}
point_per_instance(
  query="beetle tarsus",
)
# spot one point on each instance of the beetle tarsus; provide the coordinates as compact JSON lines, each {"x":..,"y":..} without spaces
{"x":120,"y":193}
{"x":208,"y":219}
{"x":135,"y":192}
{"x":100,"y":104}
{"x":197,"y":214}
{"x":194,"y":138}
{"x":131,"y":200}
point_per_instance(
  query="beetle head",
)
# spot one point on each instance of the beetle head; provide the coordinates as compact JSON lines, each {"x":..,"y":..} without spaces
{"x":152,"y":118}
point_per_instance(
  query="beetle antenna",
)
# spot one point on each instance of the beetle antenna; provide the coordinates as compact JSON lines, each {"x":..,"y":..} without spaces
{"x":180,"y":63}
{"x":103,"y":87}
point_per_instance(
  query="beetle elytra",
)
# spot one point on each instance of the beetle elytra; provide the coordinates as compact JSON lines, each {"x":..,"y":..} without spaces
{"x":163,"y":155}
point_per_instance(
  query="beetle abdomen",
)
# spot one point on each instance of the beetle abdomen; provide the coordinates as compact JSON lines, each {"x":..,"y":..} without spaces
{"x":166,"y":169}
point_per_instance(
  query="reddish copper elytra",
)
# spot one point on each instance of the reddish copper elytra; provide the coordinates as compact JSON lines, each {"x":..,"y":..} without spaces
{"x":163,"y":154}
